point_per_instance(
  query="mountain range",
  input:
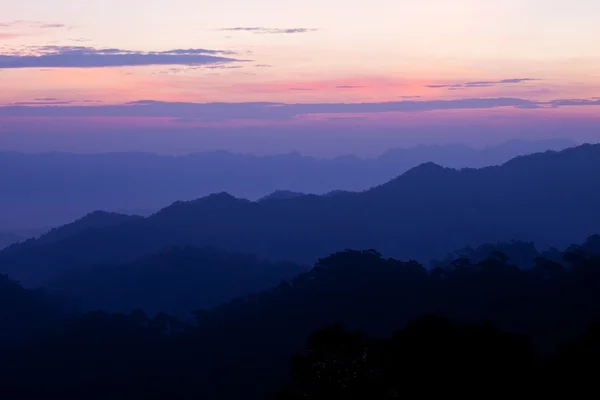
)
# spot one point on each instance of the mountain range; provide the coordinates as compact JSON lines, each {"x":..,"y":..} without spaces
{"x":41,"y":190}
{"x":549,"y":198}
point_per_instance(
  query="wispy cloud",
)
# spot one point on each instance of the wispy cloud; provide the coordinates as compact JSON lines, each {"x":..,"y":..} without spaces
{"x":595,"y":101}
{"x":31,"y":24}
{"x":80,"y":40}
{"x":300,"y":88}
{"x":216,"y":112}
{"x":444,"y":86}
{"x":345,"y":118}
{"x":38,"y":103}
{"x":9,"y":35}
{"x":222,"y":66}
{"x":478,"y":84}
{"x":219,"y":112}
{"x":349,"y":87}
{"x":21,"y":28}
{"x":263,"y":30}
{"x":52,"y":26}
{"x":89,"y":57}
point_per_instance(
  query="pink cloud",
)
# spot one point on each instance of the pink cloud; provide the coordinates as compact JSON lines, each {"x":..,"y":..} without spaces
{"x":9,"y":35}
{"x":500,"y":120}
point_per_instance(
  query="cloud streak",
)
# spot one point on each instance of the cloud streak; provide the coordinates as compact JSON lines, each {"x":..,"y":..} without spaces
{"x":9,"y":35}
{"x":89,"y":57}
{"x":263,"y":30}
{"x":31,"y":24}
{"x":37,"y":103}
{"x":574,"y":102}
{"x":217,"y":112}
{"x":479,"y":84}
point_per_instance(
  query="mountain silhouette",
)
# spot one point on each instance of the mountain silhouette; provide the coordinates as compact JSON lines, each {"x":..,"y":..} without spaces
{"x":8,"y":238}
{"x":281,"y":195}
{"x":96,"y":219}
{"x":540,"y":319}
{"x":51,"y":189}
{"x":549,"y":198}
{"x":176,"y":280}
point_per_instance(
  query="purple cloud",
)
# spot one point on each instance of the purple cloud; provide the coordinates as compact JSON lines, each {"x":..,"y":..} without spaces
{"x":89,"y":57}
{"x":345,"y":118}
{"x":575,"y":102}
{"x":442,"y":86}
{"x":31,"y":24}
{"x":52,"y":26}
{"x":478,"y":84}
{"x":258,"y":110}
{"x":263,"y":30}
{"x":221,"y":66}
{"x":517,"y":80}
{"x":37,"y":103}
{"x":348,"y":87}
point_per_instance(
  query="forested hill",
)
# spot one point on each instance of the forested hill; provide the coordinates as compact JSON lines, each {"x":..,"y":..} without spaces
{"x":242,"y":348}
{"x":550,"y":198}
{"x":42,"y":190}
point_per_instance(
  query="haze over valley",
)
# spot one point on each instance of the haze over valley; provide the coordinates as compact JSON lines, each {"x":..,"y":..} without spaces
{"x":309,"y":200}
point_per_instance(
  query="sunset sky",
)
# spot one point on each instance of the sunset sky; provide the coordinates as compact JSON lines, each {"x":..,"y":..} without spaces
{"x":392,"y":67}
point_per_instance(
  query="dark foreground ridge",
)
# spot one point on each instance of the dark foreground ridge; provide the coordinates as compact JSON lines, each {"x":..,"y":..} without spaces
{"x":493,"y":324}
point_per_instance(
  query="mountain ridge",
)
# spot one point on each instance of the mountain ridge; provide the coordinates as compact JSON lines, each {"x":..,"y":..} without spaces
{"x":68,"y":186}
{"x":408,"y":217}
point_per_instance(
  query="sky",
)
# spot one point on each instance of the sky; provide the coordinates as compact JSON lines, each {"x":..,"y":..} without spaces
{"x":281,"y":75}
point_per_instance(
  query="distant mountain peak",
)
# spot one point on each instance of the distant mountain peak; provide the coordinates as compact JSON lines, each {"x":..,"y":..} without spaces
{"x":220,"y":196}
{"x":215,"y":199}
{"x":580,"y":152}
{"x":281,"y":195}
{"x":429,"y":172}
{"x":426,"y":169}
{"x":101,"y":214}
{"x":93,"y":220}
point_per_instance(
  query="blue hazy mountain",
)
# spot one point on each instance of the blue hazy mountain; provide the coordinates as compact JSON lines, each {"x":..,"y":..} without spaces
{"x":548,"y":198}
{"x":52,"y":189}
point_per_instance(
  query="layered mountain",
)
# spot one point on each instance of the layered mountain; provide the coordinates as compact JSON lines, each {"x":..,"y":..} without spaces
{"x":281,"y":195}
{"x":8,"y":238}
{"x":27,"y":313}
{"x":548,"y":198}
{"x":40,"y":190}
{"x":176,"y":280}
{"x":93,"y":220}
